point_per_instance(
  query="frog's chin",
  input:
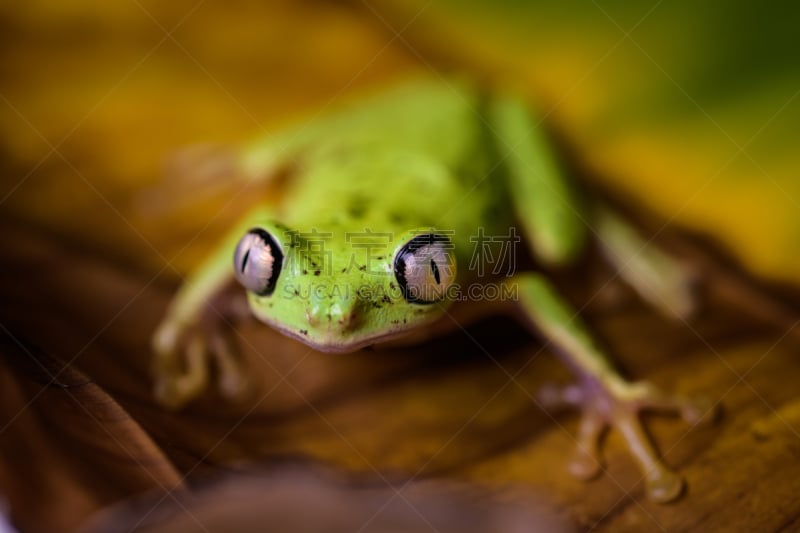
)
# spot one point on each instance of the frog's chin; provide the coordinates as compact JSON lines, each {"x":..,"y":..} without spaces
{"x":331,"y":343}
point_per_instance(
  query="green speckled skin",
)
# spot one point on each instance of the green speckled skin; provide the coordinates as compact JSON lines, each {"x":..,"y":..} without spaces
{"x":414,"y":160}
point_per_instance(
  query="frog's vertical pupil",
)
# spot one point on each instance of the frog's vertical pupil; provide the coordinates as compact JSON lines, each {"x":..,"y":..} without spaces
{"x":261,"y":274}
{"x":411,"y":262}
{"x":435,"y":270}
{"x":244,"y":260}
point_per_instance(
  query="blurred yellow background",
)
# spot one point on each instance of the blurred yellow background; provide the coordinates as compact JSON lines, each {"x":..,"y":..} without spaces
{"x":685,"y":109}
{"x":689,"y":110}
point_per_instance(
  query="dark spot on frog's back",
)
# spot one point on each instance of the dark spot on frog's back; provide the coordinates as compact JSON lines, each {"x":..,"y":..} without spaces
{"x":357,"y":211}
{"x":358,"y":205}
{"x":492,"y":212}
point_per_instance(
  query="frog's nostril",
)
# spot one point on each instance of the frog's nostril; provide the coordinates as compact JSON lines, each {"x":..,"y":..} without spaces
{"x":337,"y":315}
{"x":348,"y":320}
{"x":312,"y":316}
{"x":342,"y":315}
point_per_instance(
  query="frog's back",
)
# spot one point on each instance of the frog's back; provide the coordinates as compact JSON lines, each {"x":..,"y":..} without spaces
{"x":437,"y":118}
{"x":407,"y":153}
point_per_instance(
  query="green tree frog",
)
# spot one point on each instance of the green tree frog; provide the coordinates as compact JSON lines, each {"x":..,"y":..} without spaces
{"x":379,"y":237}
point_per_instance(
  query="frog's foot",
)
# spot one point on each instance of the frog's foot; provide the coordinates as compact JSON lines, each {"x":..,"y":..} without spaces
{"x":618,"y":406}
{"x":182,"y":361}
{"x":207,"y":170}
{"x":201,"y":164}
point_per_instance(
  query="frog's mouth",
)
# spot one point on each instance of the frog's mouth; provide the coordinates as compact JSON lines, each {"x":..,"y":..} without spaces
{"x":334,"y":342}
{"x":330,"y":343}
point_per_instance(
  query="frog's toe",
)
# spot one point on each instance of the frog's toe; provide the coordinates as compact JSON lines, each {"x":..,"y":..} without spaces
{"x":179,"y":381}
{"x":174,"y":392}
{"x":171,"y":392}
{"x":165,"y":342}
{"x":586,"y":463}
{"x":618,"y":407}
{"x":233,"y":381}
{"x":693,"y":410}
{"x":663,"y":485}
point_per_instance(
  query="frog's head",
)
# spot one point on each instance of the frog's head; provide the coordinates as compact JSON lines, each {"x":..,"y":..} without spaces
{"x":340,"y":292}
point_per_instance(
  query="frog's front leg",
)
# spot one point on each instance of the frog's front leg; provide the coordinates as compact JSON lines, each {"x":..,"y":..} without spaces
{"x":196,"y":331}
{"x":187,"y":344}
{"x":607,"y":399}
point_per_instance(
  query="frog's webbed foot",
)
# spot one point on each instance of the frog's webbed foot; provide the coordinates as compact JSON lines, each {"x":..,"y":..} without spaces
{"x":207,"y":170}
{"x":183,"y":357}
{"x":618,"y":406}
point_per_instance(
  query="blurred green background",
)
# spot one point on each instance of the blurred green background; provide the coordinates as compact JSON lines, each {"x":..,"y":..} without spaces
{"x":688,"y":109}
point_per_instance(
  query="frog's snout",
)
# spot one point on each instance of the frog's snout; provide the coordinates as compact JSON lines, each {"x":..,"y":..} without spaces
{"x":337,"y":315}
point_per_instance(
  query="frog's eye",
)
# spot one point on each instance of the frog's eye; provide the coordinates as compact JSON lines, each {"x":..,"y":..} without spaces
{"x":424,"y":268}
{"x":257,"y":261}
